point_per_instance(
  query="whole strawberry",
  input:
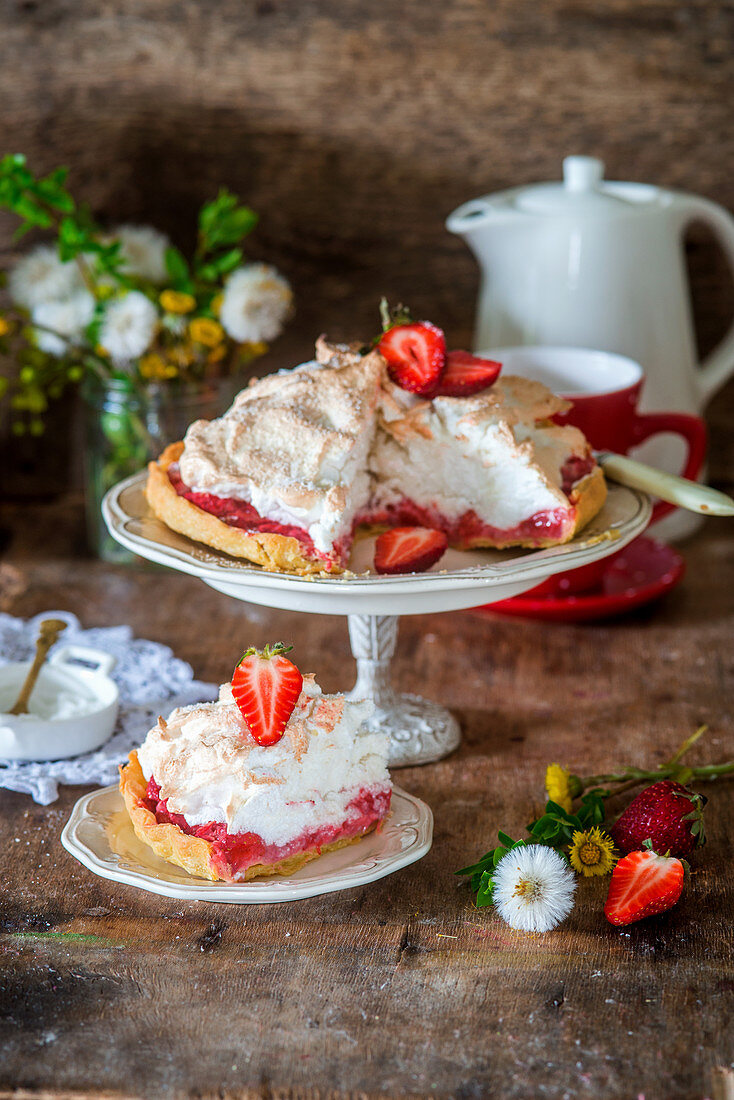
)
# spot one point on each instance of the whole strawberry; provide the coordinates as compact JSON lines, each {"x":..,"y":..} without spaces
{"x":667,"y":814}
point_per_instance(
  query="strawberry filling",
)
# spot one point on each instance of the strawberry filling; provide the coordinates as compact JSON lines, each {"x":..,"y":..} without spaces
{"x":233,"y":853}
{"x":469,"y":530}
{"x":465,"y":531}
{"x":574,"y":469}
{"x":239,"y":513}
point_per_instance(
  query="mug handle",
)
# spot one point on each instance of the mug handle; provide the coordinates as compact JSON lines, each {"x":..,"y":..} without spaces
{"x":693,"y":430}
{"x":718,"y":366}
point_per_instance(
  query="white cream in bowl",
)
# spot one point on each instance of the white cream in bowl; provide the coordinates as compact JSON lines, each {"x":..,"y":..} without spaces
{"x":72,"y":709}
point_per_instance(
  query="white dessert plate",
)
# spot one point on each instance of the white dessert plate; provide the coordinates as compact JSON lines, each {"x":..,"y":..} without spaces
{"x":100,"y":835}
{"x":460,"y":579}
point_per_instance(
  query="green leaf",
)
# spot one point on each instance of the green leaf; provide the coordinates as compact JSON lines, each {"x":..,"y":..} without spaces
{"x":480,"y":865}
{"x":177,"y":267}
{"x":209,"y":273}
{"x":222,"y":222}
{"x":229,"y":261}
{"x":212,"y":211}
{"x":484,"y":893}
{"x":56,"y":196}
{"x":492,"y":858}
{"x":592,"y":811}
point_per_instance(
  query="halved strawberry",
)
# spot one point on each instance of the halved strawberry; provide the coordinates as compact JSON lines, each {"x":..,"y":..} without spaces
{"x":466,"y":374}
{"x":415,"y":355}
{"x":643,"y":884}
{"x":266,"y":686}
{"x":409,"y":549}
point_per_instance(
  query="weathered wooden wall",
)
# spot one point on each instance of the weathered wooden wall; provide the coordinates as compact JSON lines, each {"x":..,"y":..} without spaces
{"x":356,"y":127}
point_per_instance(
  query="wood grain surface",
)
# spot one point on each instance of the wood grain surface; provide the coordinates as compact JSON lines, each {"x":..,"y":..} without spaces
{"x":401,"y":988}
{"x":356,"y":128}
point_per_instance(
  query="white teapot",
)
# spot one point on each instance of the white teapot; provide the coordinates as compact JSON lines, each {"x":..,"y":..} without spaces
{"x":600,"y":265}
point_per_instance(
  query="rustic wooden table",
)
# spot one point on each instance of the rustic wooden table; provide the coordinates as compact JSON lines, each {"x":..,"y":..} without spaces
{"x":401,"y":988}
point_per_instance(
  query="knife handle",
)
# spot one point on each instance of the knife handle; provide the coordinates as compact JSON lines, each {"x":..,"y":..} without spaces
{"x":676,"y":490}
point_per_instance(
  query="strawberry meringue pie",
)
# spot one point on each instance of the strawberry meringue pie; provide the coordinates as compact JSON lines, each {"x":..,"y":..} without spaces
{"x":307,"y":457}
{"x":265,"y":779}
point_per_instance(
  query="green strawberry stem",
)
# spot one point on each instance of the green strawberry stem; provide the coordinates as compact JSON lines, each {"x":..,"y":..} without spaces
{"x":632,"y":777}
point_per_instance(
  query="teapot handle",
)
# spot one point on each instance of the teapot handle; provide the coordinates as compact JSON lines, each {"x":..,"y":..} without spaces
{"x":718,"y":365}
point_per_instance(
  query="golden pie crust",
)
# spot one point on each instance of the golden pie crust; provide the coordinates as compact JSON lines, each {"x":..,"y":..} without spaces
{"x":275,"y":553}
{"x":281,"y":553}
{"x":193,"y":853}
{"x":588,"y":498}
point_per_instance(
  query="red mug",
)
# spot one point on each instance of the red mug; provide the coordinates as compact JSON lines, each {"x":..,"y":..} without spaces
{"x":604,"y":389}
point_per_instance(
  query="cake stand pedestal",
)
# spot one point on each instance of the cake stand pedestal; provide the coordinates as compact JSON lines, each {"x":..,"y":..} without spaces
{"x":420,"y":731}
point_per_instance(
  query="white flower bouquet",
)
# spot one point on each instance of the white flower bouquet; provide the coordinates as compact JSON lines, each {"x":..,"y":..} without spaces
{"x":124,"y":310}
{"x":126,"y":304}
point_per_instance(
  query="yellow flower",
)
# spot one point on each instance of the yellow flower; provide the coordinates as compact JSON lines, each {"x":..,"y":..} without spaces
{"x":216,"y":304}
{"x":217,"y":354}
{"x":99,"y":350}
{"x":152,"y":367}
{"x":204,"y":331}
{"x":249,"y":351}
{"x":181,"y":356}
{"x":592,"y":852}
{"x":175,"y":301}
{"x":558,"y":786}
{"x":5,"y":327}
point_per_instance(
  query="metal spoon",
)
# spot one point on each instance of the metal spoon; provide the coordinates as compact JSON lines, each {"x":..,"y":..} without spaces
{"x":48,"y":632}
{"x":669,"y":487}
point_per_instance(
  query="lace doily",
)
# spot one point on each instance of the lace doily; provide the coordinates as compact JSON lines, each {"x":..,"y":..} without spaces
{"x":151,"y":681}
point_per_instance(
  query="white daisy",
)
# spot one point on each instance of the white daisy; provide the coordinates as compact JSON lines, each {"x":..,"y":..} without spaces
{"x":255,"y":304}
{"x":68,"y":319}
{"x":40,"y":277}
{"x":143,"y":250}
{"x":128,"y":326}
{"x":533,"y":888}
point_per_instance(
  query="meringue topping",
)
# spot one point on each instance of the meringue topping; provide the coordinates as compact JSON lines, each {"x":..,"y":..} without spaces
{"x":210,"y":768}
{"x":321,"y":445}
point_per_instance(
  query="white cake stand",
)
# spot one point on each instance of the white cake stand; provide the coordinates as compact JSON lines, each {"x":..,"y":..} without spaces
{"x":420,"y":731}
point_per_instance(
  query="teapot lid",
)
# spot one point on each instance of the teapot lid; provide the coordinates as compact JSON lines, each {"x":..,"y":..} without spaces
{"x":582,"y":192}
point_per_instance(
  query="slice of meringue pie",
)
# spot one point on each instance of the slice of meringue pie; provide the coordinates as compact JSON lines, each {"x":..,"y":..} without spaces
{"x":214,"y":791}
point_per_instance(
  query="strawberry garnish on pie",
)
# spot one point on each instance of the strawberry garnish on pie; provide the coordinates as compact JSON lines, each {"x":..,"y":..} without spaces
{"x":643,"y":884}
{"x":266,"y":686}
{"x":415,"y":354}
{"x":466,"y":374}
{"x":409,"y":549}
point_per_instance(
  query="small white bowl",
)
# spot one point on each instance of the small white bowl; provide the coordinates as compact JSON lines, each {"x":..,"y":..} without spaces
{"x":73,"y":684}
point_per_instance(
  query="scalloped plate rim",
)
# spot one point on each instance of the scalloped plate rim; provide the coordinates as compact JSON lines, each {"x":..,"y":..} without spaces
{"x":260,"y":891}
{"x":528,"y":562}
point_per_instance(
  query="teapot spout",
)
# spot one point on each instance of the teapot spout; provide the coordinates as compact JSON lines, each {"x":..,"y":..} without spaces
{"x":471,"y":216}
{"x":484,"y":224}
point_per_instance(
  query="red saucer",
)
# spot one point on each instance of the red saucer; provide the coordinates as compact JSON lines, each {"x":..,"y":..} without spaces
{"x":641,"y":572}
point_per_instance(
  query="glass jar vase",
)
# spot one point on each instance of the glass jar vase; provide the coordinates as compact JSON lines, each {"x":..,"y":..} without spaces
{"x":126,"y":425}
